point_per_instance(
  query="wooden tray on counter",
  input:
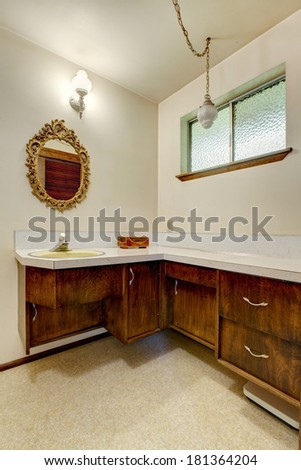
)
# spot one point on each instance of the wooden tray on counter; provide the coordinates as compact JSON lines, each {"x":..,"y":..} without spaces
{"x":133,"y":242}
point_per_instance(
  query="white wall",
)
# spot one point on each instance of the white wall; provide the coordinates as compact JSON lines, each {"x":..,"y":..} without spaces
{"x":118,"y":128}
{"x":274,"y":188}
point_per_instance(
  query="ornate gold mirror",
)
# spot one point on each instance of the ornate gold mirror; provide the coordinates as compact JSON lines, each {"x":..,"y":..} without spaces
{"x":58,"y":166}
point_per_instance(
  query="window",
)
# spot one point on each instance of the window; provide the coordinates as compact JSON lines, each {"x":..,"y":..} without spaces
{"x":248,"y":128}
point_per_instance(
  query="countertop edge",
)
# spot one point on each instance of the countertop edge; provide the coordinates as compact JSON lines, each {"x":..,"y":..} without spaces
{"x":272,"y":267}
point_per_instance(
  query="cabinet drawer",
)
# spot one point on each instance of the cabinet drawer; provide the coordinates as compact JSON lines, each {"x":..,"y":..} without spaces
{"x":194,"y":274}
{"x":268,"y":358}
{"x":266,"y":304}
{"x":58,"y":288}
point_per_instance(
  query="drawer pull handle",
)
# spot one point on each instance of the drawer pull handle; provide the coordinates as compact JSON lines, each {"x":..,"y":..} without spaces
{"x":263,"y":356}
{"x":176,"y":287}
{"x":262,"y":304}
{"x":35,"y":312}
{"x":132,"y":278}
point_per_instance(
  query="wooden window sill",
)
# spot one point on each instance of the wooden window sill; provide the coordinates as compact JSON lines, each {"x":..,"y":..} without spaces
{"x":239,"y":165}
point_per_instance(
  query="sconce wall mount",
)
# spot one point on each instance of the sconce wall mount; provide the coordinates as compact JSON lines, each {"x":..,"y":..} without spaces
{"x":82,"y":86}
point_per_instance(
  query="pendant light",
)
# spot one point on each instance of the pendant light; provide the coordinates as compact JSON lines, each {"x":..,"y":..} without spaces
{"x":207,"y":113}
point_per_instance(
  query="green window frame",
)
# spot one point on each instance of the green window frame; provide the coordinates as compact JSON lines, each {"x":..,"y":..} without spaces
{"x":249,"y":131}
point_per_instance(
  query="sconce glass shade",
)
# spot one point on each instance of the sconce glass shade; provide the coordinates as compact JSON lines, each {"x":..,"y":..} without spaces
{"x":80,"y":83}
{"x":207,"y":113}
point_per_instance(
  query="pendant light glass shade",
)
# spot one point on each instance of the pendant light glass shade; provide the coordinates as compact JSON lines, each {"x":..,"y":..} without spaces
{"x":207,"y":113}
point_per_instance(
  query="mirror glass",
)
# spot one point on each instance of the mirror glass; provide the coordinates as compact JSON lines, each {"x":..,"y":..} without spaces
{"x":58,"y":166}
{"x":59,"y":169}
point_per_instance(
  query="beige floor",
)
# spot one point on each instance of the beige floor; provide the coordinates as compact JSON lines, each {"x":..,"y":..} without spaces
{"x":162,"y":392}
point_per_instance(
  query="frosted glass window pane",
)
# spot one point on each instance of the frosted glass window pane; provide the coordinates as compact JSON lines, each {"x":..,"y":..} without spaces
{"x":259,"y":122}
{"x":210,"y":147}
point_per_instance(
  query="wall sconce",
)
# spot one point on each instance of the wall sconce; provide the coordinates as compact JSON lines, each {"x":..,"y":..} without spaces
{"x":81,"y":85}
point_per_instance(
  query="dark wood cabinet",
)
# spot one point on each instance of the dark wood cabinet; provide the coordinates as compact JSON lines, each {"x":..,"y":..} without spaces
{"x":61,"y":303}
{"x":48,"y":324}
{"x":60,"y":288}
{"x":253,"y":323}
{"x":258,"y":355}
{"x":300,"y":425}
{"x":269,"y":305}
{"x":259,"y":332}
{"x":143,"y":299}
{"x":139,"y":314}
{"x":124,"y":299}
{"x":192,"y":301}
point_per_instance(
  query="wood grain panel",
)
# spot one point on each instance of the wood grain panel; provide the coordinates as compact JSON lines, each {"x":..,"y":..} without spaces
{"x":194,"y":274}
{"x":193,"y":310}
{"x":115,"y":317}
{"x":41,"y":286}
{"x":300,"y":427}
{"x":282,"y":315}
{"x":48,"y":324}
{"x":82,"y":285}
{"x":143,"y":299}
{"x":57,"y":288}
{"x":234,"y":166}
{"x":282,"y":367}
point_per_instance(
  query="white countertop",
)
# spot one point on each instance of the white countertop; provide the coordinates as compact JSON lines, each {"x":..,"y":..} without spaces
{"x":288,"y":269}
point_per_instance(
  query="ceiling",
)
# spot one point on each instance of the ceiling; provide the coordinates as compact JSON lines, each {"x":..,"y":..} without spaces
{"x":138,"y":43}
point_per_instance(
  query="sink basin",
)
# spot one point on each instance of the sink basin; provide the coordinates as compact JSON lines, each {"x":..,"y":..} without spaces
{"x":67,"y":254}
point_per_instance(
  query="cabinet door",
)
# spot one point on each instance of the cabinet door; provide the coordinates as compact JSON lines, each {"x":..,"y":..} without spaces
{"x":143,"y":299}
{"x":192,"y":310}
{"x":47,"y":324}
{"x":60,"y":288}
{"x":66,"y":302}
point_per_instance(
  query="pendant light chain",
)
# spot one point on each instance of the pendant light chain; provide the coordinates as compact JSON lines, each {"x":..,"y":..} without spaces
{"x":185,"y":32}
{"x":207,"y":68}
{"x":207,"y":113}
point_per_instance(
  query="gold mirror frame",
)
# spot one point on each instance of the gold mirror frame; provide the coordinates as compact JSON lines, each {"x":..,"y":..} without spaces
{"x":56,"y":131}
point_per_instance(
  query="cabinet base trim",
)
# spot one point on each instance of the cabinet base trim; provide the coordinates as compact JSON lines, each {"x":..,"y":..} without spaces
{"x":195,"y":338}
{"x":143,"y":335}
{"x":260,"y":383}
{"x":275,"y":405}
{"x":50,"y":352}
